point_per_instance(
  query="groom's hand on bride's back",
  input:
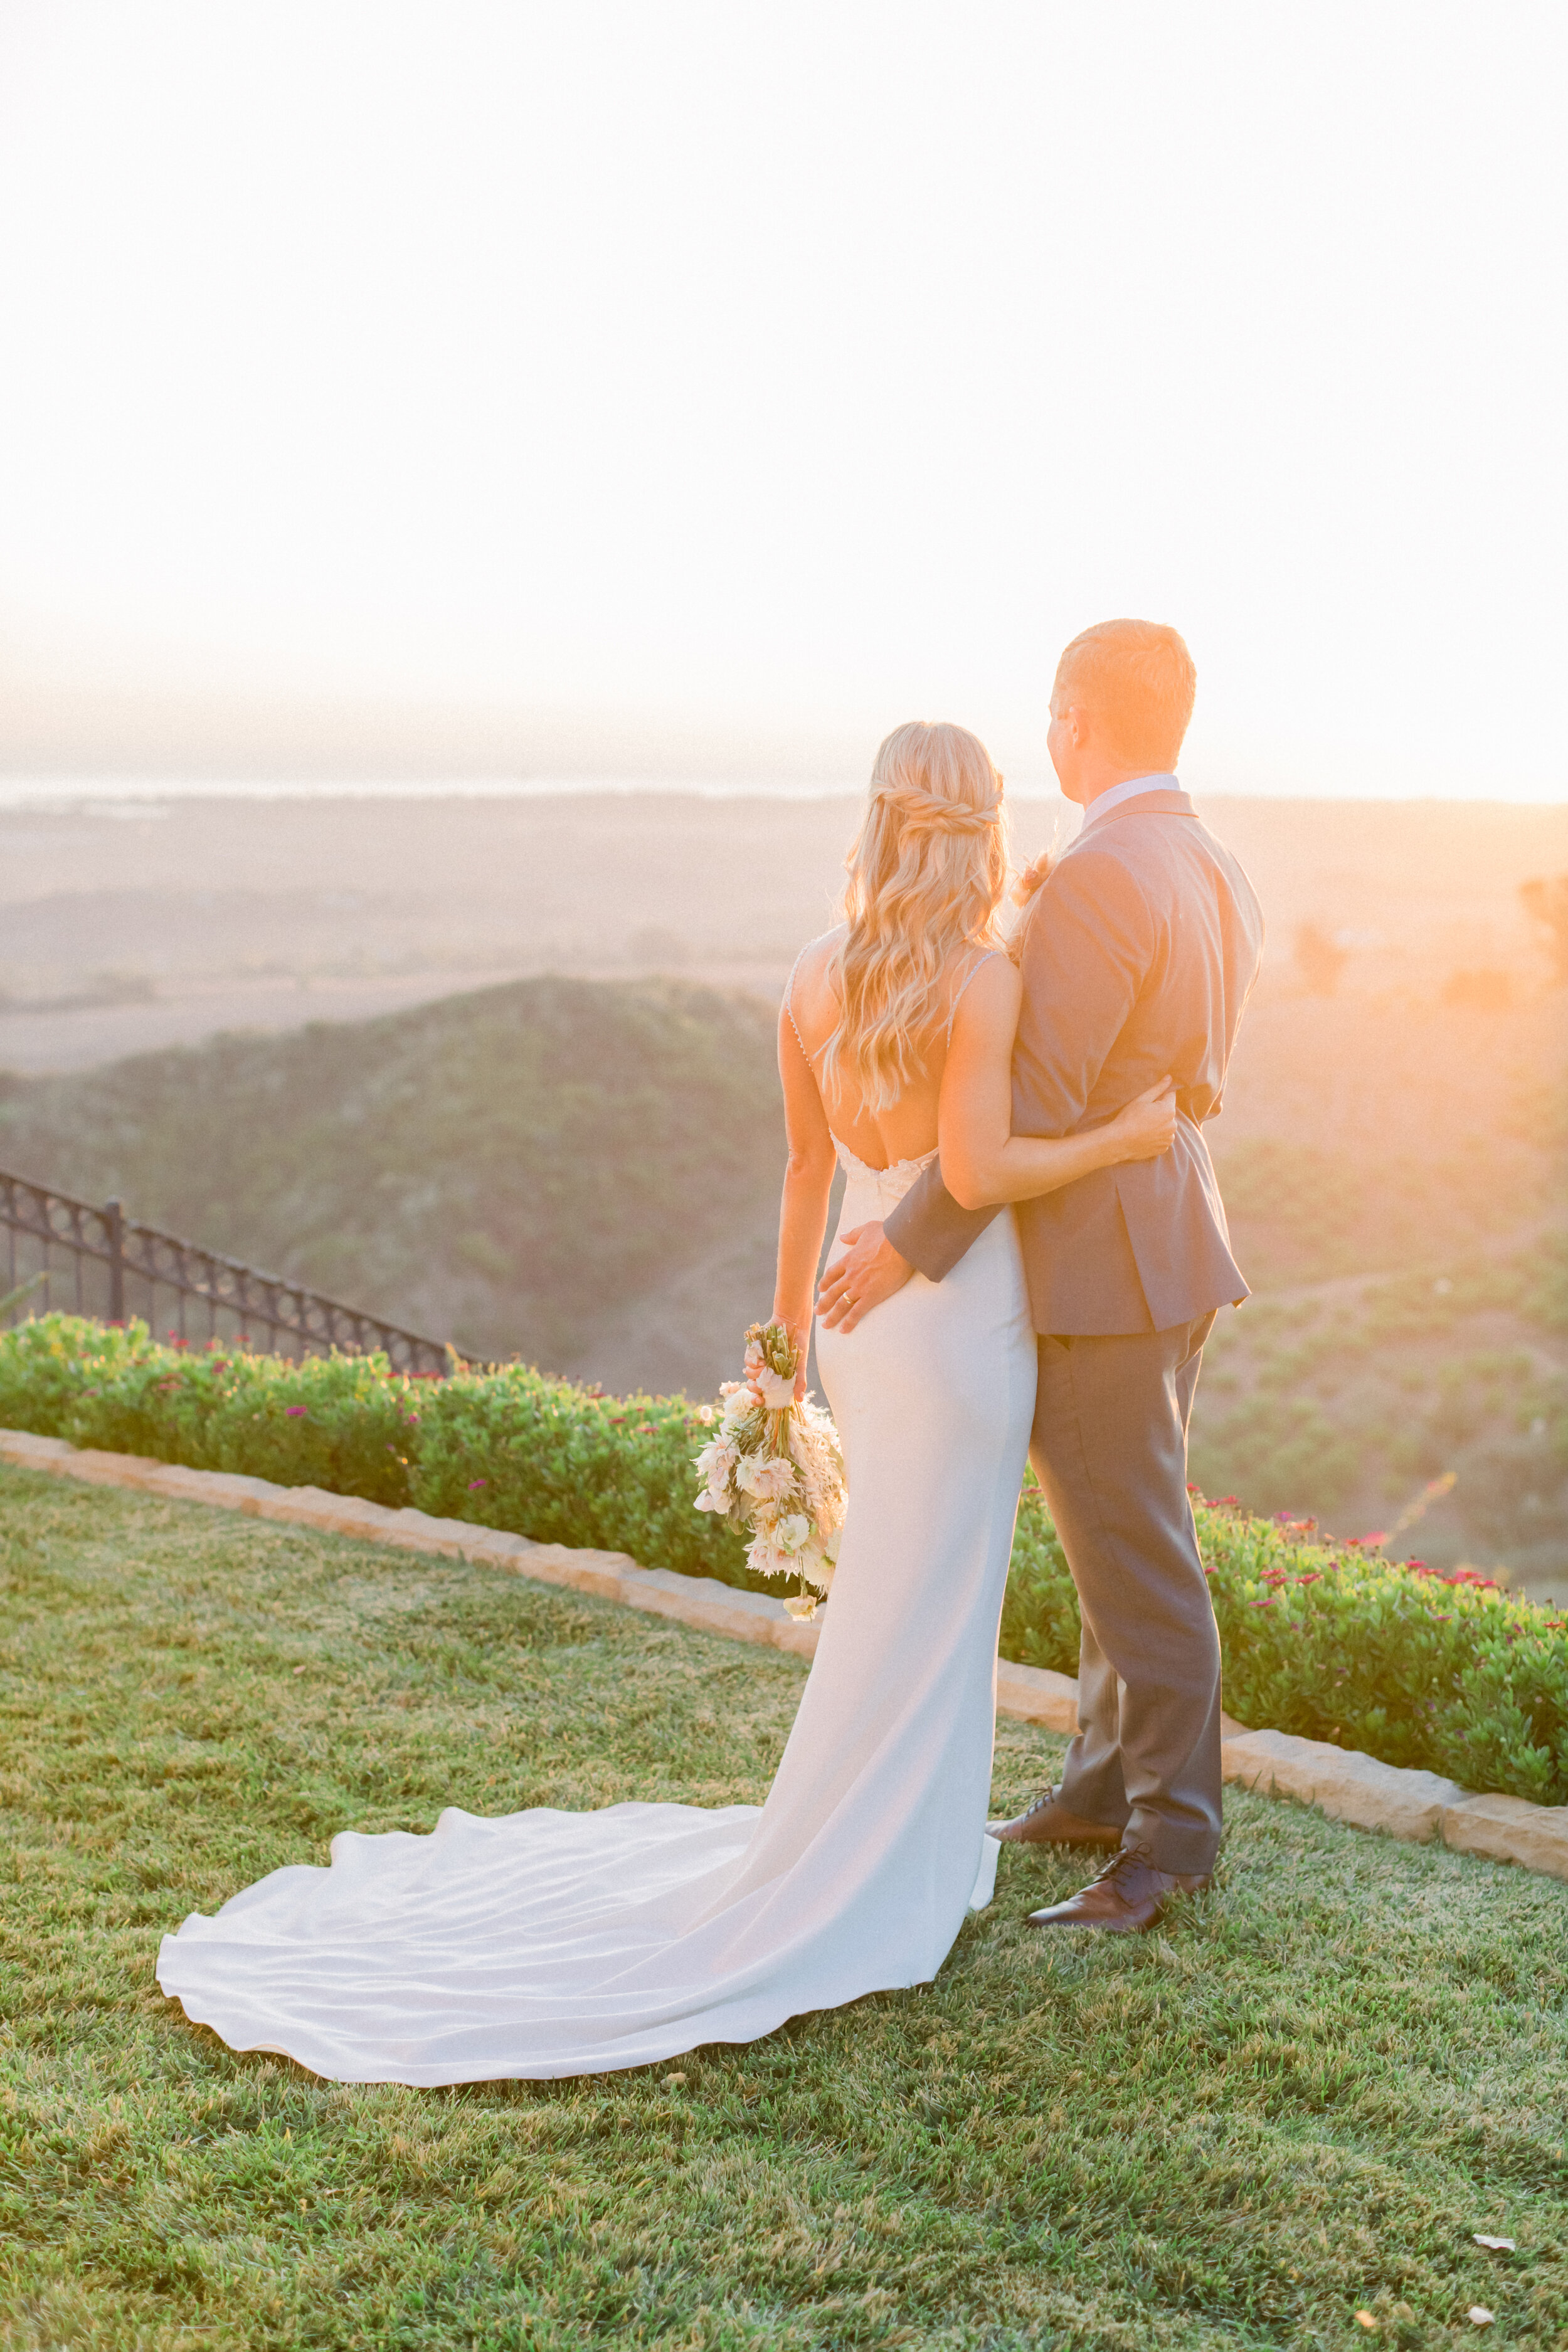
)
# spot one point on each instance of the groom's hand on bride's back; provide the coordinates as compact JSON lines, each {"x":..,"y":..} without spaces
{"x":871,"y":1271}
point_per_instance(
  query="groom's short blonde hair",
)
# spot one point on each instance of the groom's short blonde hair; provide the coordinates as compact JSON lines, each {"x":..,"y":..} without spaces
{"x":1139,"y":678}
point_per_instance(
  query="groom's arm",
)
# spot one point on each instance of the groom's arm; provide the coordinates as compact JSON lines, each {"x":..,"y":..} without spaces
{"x":1087,"y":951}
{"x":931,"y":1230}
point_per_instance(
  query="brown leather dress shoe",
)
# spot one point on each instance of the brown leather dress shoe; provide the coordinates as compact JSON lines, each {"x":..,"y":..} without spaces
{"x":1048,"y":1823}
{"x":1128,"y":1896}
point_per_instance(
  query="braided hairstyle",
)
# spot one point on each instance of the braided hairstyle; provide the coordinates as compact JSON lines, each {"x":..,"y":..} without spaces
{"x":926,"y":871}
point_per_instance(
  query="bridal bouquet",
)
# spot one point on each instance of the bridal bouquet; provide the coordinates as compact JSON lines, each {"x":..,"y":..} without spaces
{"x":777,"y":1467}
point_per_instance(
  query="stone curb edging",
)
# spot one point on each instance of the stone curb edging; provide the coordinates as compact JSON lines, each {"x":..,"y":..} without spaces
{"x":1347,"y":1786}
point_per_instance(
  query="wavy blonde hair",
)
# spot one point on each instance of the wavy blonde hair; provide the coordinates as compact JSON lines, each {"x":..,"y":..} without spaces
{"x":926,"y":871}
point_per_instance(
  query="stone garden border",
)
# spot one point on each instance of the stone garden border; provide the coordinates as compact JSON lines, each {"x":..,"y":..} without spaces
{"x":1346,"y":1785}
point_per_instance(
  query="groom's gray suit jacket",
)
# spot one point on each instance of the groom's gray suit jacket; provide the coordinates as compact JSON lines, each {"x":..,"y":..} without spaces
{"x":1139,"y":953}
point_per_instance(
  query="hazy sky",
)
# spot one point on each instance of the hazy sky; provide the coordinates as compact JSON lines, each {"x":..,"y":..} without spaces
{"x":805,"y":365}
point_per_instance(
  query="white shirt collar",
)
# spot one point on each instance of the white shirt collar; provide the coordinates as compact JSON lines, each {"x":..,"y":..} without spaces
{"x":1133,"y":789}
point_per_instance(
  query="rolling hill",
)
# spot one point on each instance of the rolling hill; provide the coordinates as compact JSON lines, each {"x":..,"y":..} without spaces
{"x":519,"y":1169}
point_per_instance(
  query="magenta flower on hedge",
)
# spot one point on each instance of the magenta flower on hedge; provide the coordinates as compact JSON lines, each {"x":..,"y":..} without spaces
{"x":475,"y":1483}
{"x":294,"y":1410}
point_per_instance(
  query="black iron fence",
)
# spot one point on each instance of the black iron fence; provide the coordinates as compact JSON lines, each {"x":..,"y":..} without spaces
{"x":96,"y":1261}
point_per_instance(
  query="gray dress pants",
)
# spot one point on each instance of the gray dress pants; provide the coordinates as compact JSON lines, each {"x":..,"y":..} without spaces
{"x":1109,"y":1447}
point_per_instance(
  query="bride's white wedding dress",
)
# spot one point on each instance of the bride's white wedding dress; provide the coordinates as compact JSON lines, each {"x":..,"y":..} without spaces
{"x":545,"y":1944}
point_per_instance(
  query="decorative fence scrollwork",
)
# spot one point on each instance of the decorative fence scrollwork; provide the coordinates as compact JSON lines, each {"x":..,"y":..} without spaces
{"x":60,"y":1252}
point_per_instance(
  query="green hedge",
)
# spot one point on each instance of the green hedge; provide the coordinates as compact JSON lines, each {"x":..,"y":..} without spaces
{"x":512,"y":1448}
{"x":1328,"y":1641}
{"x":343,"y":1423}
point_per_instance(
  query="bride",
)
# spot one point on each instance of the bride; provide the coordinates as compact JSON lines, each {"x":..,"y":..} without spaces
{"x":546,"y":1943}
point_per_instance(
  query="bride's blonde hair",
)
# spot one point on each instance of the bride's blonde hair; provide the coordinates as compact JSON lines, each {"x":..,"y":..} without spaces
{"x":926,"y":871}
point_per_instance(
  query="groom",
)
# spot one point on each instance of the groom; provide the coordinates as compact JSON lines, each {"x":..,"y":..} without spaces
{"x":1139,"y":949}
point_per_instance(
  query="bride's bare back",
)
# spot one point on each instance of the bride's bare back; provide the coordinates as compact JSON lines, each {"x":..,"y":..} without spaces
{"x":908,"y":1131}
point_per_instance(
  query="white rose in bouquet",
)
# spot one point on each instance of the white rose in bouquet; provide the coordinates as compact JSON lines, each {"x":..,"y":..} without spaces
{"x":738,"y":1404}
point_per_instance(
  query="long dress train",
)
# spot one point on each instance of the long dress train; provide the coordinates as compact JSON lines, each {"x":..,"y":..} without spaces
{"x":545,"y":1944}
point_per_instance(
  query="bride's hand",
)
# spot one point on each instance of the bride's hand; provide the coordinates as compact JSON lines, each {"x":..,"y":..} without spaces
{"x":1148,"y":1125}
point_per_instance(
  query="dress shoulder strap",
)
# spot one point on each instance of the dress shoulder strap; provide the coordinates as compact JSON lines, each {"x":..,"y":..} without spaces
{"x":788,"y":1003}
{"x":964,"y":983}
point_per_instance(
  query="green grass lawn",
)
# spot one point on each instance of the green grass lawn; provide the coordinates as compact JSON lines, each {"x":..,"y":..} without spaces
{"x":1294,"y":2103}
